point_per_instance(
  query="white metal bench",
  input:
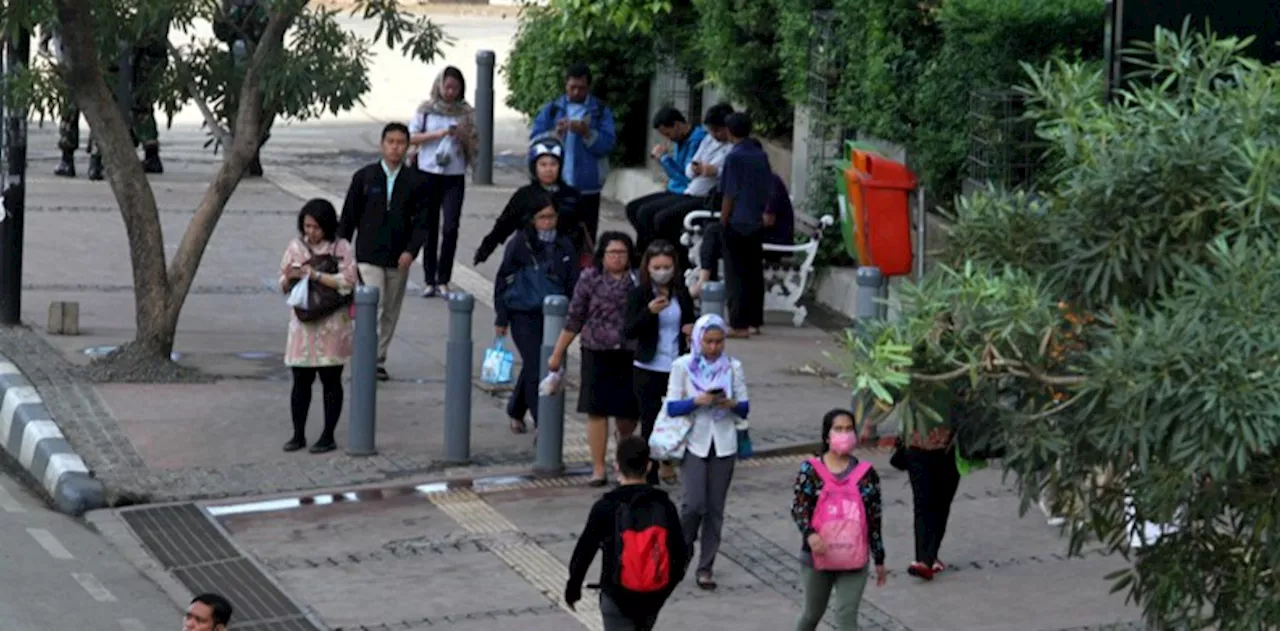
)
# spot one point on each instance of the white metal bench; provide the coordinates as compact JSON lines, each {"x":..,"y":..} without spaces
{"x":785,"y":280}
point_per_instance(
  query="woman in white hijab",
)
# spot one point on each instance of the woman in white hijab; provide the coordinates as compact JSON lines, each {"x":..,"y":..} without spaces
{"x":708,"y":387}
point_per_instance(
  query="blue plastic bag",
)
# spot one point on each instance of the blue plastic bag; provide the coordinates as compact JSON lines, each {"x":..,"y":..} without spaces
{"x":496,"y":369}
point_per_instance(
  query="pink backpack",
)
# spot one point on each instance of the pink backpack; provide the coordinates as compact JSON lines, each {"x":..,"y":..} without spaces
{"x":841,"y":519}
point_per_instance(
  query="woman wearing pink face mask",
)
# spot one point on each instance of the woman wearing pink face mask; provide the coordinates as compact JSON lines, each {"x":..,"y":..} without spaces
{"x":837,"y":463}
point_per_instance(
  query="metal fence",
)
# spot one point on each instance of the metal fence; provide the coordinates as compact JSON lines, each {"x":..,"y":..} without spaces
{"x":1004,"y":150}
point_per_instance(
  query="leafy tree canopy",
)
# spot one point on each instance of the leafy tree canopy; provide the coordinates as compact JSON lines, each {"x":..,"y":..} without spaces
{"x":1118,"y":328}
{"x":321,"y":68}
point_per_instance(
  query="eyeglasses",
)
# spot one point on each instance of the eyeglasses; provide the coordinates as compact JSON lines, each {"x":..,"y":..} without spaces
{"x":616,"y":253}
{"x":661,"y":248}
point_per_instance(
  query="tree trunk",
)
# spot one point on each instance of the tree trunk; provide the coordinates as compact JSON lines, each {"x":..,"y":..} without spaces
{"x":125,"y":175}
{"x":160,"y":292}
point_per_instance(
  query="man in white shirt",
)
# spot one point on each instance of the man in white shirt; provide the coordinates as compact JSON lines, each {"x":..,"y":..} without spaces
{"x":704,"y":175}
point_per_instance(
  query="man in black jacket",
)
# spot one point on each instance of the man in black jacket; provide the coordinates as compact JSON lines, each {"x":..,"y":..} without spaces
{"x":384,"y":211}
{"x":622,"y":609}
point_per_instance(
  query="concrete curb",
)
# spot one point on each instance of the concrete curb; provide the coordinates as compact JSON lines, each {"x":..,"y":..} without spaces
{"x":31,"y":436}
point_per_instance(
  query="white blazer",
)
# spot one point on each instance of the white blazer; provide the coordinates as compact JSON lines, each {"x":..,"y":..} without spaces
{"x":706,"y":426}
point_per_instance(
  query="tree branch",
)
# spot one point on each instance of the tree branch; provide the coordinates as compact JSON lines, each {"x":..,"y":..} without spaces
{"x":244,"y":143}
{"x":1056,"y":409}
{"x":1015,"y":368}
{"x":223,"y":136}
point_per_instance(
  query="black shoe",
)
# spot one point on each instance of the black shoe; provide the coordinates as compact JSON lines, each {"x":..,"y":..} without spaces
{"x":323,"y":446}
{"x":96,"y":172}
{"x":151,"y":163}
{"x":67,"y":166}
{"x":382,"y":374}
{"x":255,"y":167}
{"x":295,"y":444}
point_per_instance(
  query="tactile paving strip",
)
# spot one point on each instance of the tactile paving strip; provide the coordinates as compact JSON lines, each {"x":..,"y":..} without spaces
{"x":528,"y":559}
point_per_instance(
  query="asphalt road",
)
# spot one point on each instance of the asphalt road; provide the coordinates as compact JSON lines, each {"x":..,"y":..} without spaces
{"x":58,"y":574}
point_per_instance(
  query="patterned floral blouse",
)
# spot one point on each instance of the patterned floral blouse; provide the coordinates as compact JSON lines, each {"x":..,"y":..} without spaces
{"x":809,"y":484}
{"x":599,"y":308}
{"x":325,"y":342}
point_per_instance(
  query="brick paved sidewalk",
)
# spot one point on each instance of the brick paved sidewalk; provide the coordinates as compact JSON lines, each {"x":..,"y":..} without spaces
{"x":367,"y":561}
{"x":181,"y":441}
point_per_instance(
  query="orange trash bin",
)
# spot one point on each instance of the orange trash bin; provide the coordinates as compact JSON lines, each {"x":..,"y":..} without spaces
{"x":884,"y":195}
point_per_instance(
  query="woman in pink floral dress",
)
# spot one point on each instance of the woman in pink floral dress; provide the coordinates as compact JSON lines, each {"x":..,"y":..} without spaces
{"x":322,"y":347}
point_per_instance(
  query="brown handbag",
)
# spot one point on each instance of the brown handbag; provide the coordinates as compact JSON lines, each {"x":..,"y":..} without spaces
{"x":322,"y":300}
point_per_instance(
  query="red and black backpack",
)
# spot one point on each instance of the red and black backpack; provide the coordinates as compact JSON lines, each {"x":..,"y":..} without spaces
{"x":644,"y":562}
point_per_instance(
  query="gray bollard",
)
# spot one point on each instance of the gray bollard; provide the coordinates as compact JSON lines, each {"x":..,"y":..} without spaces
{"x":457,"y":390}
{"x":484,"y":117}
{"x":713,"y":298}
{"x":361,"y":422}
{"x":870,"y":288}
{"x":550,"y":456}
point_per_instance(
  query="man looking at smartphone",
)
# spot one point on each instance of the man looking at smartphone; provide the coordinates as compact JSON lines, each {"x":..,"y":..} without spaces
{"x":675,"y":161}
{"x":666,"y":222}
{"x":584,"y":126}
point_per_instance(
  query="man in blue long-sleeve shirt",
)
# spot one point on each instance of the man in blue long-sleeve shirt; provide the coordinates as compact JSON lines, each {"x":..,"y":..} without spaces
{"x":686,"y":138}
{"x":584,"y":126}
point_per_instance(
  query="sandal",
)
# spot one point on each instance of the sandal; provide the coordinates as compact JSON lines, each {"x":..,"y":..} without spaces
{"x":598,"y":482}
{"x":518,"y":426}
{"x":705,"y":581}
{"x":920,"y":571}
{"x":667,"y":472}
{"x":938,"y":566}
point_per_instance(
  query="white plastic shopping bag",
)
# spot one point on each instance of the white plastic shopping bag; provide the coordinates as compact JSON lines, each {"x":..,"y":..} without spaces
{"x":496,"y":368}
{"x":670,"y":435}
{"x":298,"y":295}
{"x":551,"y":383}
{"x":444,"y":151}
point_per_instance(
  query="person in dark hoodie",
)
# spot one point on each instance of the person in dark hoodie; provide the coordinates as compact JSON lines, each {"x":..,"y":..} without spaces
{"x":545,"y":162}
{"x":641,"y":564}
{"x":746,"y":184}
{"x":536,"y":263}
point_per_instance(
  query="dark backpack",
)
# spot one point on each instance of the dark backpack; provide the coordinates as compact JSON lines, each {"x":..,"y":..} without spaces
{"x":644,"y":562}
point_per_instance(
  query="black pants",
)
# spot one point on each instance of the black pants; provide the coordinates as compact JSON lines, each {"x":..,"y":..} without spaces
{"x":712,"y":250}
{"x":444,"y":196}
{"x":668,"y":223}
{"x":650,"y":388}
{"x":744,"y":276}
{"x":300,"y":399}
{"x":641,"y":212}
{"x":615,"y":619}
{"x":934,"y":480}
{"x":588,"y":210}
{"x":526,"y":332}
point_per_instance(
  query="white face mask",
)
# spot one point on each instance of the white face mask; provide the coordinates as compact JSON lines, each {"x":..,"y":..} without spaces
{"x":661,"y":276}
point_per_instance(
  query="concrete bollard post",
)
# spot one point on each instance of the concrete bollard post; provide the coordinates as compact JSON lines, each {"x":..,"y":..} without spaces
{"x":870,"y":287}
{"x":361,"y":422}
{"x":713,"y":298}
{"x":550,"y":453}
{"x":483,"y":173}
{"x":457,"y":392}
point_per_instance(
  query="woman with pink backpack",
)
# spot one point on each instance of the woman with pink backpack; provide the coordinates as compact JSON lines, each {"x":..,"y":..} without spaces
{"x":837,"y":508}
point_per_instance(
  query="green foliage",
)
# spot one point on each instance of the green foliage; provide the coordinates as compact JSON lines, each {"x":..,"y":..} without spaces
{"x":884,"y":46}
{"x":983,"y":44}
{"x":798,"y":31}
{"x":585,"y":20}
{"x":737,"y":40}
{"x":1117,"y":327}
{"x":622,"y":64}
{"x":324,"y":68}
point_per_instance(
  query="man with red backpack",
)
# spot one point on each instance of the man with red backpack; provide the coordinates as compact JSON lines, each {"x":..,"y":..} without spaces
{"x":637,"y":527}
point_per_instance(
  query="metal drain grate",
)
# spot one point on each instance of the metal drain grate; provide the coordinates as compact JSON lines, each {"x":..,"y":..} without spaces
{"x":191,"y":547}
